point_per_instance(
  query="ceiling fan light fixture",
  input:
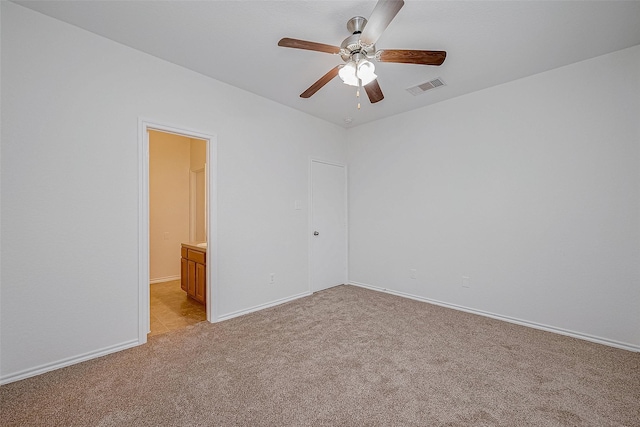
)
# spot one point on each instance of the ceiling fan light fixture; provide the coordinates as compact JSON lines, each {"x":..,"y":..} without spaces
{"x":348,"y":74}
{"x":366,"y":72}
{"x":353,"y":73}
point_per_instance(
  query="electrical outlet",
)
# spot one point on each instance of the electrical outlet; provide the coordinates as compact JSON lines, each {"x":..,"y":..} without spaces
{"x":466,"y":281}
{"x":414,"y":273}
{"x":272,"y":278}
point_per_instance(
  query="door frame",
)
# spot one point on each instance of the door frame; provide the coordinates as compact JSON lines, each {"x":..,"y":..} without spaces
{"x":211,"y":171}
{"x":313,"y":160}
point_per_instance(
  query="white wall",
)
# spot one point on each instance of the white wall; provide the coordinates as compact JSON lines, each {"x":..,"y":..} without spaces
{"x":531,"y":188}
{"x":70,"y":107}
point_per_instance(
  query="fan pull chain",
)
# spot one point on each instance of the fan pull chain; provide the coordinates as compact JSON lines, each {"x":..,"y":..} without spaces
{"x":358,"y":92}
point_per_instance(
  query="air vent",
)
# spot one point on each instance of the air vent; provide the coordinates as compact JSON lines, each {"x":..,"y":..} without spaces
{"x":422,"y":88}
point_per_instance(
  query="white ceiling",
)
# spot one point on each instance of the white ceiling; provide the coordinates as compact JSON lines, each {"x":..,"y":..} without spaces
{"x":487,"y":43}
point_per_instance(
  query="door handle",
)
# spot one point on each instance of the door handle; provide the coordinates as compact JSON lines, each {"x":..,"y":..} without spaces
{"x":315,"y":233}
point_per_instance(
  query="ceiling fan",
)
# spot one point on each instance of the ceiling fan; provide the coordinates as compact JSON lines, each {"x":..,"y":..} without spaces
{"x":359,"y":48}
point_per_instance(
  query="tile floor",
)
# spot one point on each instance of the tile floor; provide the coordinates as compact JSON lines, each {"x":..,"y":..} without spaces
{"x":171,"y":309}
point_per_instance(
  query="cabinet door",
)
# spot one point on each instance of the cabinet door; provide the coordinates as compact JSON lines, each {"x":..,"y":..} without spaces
{"x":191,"y":282}
{"x":201,"y":282}
{"x":184,"y":274}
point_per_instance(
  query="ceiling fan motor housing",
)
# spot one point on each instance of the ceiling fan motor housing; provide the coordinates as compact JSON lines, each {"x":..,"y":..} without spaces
{"x":351,"y":45}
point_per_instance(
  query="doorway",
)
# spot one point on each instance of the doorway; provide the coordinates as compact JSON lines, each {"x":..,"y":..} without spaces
{"x":177,"y":217}
{"x":177,"y":178}
{"x":329,"y":225}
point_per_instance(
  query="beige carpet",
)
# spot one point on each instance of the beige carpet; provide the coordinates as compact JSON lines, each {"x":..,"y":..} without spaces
{"x":342,"y":357}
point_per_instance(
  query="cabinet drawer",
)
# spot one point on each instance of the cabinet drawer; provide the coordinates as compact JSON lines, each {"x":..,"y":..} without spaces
{"x":197,"y":256}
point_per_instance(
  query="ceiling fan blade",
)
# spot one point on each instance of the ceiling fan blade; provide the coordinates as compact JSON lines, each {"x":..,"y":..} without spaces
{"x":381,"y":17}
{"x":321,"y":82}
{"x":374,"y":92}
{"x":424,"y":57}
{"x":303,"y":44}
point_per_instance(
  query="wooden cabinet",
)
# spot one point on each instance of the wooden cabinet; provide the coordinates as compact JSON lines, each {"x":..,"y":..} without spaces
{"x":200,"y":282}
{"x":184,"y":277}
{"x":193,"y":273}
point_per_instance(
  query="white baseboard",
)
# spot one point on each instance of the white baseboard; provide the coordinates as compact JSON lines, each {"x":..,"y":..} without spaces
{"x":579,"y":335}
{"x":261,"y":306}
{"x":164,"y":279}
{"x":32,"y":372}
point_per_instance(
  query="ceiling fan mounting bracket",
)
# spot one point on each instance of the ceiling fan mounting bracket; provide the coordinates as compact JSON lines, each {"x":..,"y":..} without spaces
{"x":356,"y":24}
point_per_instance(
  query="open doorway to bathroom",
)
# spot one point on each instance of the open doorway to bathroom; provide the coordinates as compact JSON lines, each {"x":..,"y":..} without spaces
{"x":177,"y":231}
{"x":177,"y":227}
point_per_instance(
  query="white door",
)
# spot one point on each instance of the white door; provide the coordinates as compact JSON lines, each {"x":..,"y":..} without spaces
{"x":328,"y":225}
